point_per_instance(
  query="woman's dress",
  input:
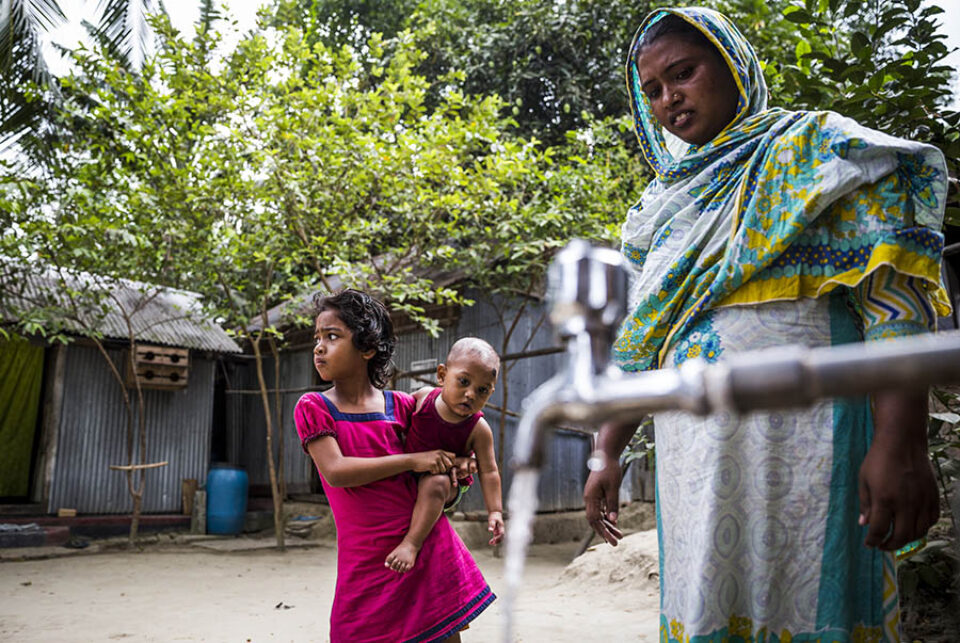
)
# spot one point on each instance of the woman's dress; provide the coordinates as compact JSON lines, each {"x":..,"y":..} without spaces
{"x":445,"y":589}
{"x":786,"y":228}
{"x":758,"y":514}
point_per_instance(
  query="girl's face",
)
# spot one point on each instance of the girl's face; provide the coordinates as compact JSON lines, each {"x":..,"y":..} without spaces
{"x":689,"y":86}
{"x":334,"y":355}
{"x":467,"y":384}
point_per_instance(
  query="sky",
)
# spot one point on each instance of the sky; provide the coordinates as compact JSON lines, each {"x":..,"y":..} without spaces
{"x":950,"y":19}
{"x":183,"y":13}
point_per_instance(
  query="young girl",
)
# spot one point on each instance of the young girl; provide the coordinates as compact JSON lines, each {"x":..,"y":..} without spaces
{"x":351,"y":432}
{"x":450,"y":417}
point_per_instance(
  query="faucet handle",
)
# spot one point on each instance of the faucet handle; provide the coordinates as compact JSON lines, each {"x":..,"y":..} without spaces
{"x":587,"y":291}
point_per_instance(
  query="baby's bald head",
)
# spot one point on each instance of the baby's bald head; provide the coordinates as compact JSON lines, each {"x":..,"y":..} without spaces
{"x":474,"y":349}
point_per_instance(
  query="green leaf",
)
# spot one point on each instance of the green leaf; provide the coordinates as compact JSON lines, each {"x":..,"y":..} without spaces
{"x":799,"y":16}
{"x":859,"y":42}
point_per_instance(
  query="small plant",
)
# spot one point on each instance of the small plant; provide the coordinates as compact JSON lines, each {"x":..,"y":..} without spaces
{"x":641,"y":444}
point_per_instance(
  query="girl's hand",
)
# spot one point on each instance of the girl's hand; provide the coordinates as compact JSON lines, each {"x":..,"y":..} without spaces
{"x":464,"y":465}
{"x":436,"y":461}
{"x":495,"y":526}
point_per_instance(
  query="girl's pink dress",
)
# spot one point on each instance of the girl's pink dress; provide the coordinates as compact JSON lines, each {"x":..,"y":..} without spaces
{"x":445,"y":589}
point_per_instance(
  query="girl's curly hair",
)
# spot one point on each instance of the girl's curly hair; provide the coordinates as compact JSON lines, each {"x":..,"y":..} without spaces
{"x":370,"y":324}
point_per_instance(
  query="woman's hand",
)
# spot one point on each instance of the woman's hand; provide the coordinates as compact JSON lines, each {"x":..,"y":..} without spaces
{"x":898,"y":490}
{"x":601,"y":494}
{"x":436,"y":461}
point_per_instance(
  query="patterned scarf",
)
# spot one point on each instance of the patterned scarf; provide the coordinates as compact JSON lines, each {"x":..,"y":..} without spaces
{"x":780,"y":205}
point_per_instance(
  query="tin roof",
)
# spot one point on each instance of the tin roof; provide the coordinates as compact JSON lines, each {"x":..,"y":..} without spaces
{"x":157,"y":314}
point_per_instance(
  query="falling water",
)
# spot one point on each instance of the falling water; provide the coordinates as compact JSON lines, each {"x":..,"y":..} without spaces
{"x":523,"y":507}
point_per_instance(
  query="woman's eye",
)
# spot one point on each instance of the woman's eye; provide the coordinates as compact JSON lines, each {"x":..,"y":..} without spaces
{"x":653,"y":93}
{"x":684,"y":73}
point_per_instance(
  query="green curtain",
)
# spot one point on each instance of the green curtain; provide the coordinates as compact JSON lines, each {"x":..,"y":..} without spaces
{"x":21,"y":376}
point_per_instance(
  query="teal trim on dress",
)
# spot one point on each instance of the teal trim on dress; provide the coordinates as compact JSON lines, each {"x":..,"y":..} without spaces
{"x":862,"y":576}
{"x":656,"y":500}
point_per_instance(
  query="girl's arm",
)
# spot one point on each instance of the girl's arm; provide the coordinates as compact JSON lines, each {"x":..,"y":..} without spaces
{"x":420,"y":396}
{"x":347,"y":471}
{"x":482,"y":439}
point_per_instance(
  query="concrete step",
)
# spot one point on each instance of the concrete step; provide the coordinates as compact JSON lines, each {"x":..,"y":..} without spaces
{"x":32,"y":535}
{"x":103,"y":526}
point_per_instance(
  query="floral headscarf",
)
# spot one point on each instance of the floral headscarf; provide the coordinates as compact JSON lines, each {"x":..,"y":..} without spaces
{"x":779,"y":205}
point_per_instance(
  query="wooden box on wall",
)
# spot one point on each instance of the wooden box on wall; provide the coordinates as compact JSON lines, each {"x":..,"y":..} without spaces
{"x":159,"y":367}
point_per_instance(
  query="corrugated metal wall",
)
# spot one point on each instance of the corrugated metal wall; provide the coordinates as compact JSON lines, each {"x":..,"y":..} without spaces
{"x":561,"y":485}
{"x":246,"y":425}
{"x":93,"y":430}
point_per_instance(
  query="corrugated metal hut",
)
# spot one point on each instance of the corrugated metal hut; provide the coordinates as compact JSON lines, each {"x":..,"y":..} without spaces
{"x":64,"y":421}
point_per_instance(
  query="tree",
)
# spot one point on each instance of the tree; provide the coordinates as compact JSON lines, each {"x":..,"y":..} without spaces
{"x":287,"y":166}
{"x":26,"y":85}
{"x":553,"y":63}
{"x":109,"y":206}
{"x":884,"y":68}
{"x":578,"y":191}
{"x":550,"y":62}
{"x":45,"y":292}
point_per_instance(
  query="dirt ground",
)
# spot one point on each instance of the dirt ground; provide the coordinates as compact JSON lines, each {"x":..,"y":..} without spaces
{"x":190,"y":593}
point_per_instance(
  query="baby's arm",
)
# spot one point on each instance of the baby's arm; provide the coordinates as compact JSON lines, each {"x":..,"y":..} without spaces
{"x":482,"y":443}
{"x":348,"y":471}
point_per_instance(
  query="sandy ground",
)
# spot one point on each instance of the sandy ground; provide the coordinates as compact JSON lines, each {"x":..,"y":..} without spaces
{"x":194,"y":594}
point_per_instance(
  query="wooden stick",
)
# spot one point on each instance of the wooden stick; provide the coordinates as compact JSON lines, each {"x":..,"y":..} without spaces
{"x":133,"y":467}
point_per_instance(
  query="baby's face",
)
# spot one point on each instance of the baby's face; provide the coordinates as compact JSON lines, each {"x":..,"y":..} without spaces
{"x":467,"y":383}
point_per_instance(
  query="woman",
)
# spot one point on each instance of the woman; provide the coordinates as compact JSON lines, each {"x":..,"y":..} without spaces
{"x":763,"y":228}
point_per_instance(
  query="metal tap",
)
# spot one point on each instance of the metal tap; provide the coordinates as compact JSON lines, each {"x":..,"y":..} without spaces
{"x":587,"y":292}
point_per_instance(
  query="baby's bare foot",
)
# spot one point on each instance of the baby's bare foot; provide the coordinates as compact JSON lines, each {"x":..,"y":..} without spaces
{"x":403,"y":557}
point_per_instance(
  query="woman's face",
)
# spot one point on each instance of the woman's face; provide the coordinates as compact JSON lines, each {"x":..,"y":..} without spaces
{"x":689,"y":86}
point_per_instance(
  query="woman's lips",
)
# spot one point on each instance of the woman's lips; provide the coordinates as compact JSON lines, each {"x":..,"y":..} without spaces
{"x":681,"y":118}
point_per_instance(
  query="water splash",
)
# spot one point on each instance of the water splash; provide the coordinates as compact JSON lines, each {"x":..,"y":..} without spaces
{"x":523,"y":507}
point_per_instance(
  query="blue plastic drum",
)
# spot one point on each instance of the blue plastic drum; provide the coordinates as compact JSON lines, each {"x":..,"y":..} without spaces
{"x":226,"y":499}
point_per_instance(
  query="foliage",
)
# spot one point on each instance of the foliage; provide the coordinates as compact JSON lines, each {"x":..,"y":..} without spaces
{"x":552,"y":63}
{"x":641,"y":446}
{"x":880,"y":63}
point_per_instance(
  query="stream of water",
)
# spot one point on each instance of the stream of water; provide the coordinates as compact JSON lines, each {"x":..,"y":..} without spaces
{"x":523,"y":507}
